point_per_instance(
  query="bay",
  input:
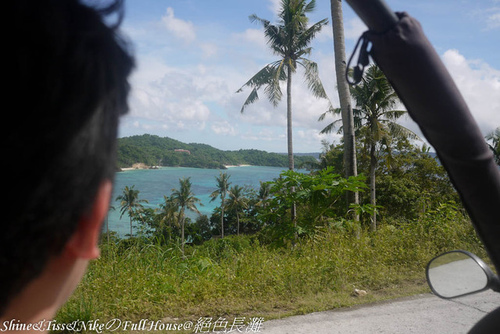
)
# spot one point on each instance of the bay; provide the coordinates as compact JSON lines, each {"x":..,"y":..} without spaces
{"x":153,"y":184}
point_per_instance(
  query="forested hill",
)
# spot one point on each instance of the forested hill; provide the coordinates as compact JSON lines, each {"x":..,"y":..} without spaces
{"x":157,"y":151}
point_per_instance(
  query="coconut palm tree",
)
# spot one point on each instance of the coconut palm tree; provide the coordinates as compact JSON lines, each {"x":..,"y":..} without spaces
{"x":222,"y":189}
{"x":237,"y":202}
{"x":130,"y":203}
{"x":375,"y":101}
{"x":374,"y":121}
{"x":169,"y":213}
{"x":264,"y":194}
{"x":184,"y":198}
{"x":350,"y":163}
{"x":289,"y":39}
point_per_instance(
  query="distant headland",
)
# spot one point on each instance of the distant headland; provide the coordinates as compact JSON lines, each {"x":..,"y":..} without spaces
{"x":151,"y":152}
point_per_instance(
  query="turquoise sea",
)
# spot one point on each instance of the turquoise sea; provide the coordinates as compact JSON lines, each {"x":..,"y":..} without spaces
{"x":153,"y":184}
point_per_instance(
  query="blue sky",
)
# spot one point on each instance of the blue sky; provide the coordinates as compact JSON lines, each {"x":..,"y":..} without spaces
{"x":193,"y":55}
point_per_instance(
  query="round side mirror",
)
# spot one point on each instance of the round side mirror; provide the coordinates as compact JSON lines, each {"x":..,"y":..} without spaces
{"x":459,"y":273}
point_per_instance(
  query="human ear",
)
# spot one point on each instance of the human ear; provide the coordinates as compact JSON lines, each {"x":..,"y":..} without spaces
{"x":83,"y":242}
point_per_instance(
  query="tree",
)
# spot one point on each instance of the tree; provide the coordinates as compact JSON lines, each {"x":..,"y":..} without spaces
{"x":237,"y":202}
{"x":413,"y":184}
{"x":375,"y":99}
{"x":263,"y":194}
{"x":222,"y":189}
{"x":289,"y":39}
{"x":184,"y":198}
{"x":130,"y":203}
{"x":319,"y":197}
{"x":374,"y":121}
{"x":169,"y":213}
{"x":350,"y":163}
{"x":494,"y":137}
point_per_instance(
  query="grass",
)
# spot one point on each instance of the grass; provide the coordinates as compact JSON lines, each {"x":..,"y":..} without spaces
{"x":241,"y":277}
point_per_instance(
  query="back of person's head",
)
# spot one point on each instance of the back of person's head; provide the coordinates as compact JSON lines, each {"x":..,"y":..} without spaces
{"x":67,"y":87}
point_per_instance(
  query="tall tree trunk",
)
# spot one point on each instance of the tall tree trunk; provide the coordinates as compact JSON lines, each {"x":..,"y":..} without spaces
{"x":182,"y":230}
{"x":350,"y":163}
{"x":373,"y":198}
{"x":291,"y":165}
{"x":238,"y":223}
{"x":222,"y":218}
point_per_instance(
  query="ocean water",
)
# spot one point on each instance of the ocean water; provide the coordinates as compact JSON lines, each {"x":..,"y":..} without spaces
{"x":153,"y":184}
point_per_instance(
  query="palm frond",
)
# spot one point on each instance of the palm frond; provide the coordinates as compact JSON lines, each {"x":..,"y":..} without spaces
{"x":312,"y":78}
{"x":306,"y":37}
{"x":260,"y":79}
{"x":394,"y":114}
{"x":333,"y":111}
{"x":254,"y":18}
{"x":397,"y":130}
{"x":310,"y":6}
{"x":494,"y":136}
{"x":332,"y":126}
{"x":254,"y":96}
{"x":274,"y":93}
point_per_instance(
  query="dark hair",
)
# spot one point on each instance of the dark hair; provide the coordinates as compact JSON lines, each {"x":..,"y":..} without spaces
{"x":67,"y":86}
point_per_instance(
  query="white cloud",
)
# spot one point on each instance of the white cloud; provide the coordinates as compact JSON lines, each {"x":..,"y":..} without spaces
{"x":275,"y":6}
{"x":479,"y":84}
{"x":312,"y":138}
{"x":223,"y":128}
{"x":354,"y":28}
{"x":165,"y":97}
{"x":182,"y":29}
{"x":493,"y":20}
{"x":209,"y":49}
{"x":277,"y":137}
{"x":254,"y":36}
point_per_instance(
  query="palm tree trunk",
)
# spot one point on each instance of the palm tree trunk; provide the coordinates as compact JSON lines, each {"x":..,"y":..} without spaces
{"x":222,"y":219}
{"x":350,"y":162}
{"x":291,"y":164}
{"x":289,"y":134}
{"x":373,"y":200}
{"x":182,"y":230}
{"x":238,"y":223}
{"x":130,"y":226}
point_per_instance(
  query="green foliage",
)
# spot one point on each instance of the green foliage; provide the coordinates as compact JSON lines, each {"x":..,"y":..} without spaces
{"x":80,"y":310}
{"x":319,"y":198}
{"x":136,"y":278}
{"x":222,"y":183}
{"x":307,"y":264}
{"x":411,"y":183}
{"x":131,"y":204}
{"x":237,"y":202}
{"x":156,"y":151}
{"x":184,"y":199}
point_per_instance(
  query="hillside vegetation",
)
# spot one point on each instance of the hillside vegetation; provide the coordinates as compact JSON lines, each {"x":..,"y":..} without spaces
{"x":163,"y":151}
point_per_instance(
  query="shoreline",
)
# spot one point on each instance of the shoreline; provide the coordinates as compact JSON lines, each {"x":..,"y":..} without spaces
{"x":232,"y":166}
{"x":143,"y":167}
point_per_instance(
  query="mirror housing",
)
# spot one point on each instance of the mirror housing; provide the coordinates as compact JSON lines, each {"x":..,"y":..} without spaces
{"x":459,"y":273}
